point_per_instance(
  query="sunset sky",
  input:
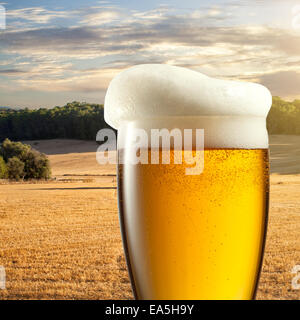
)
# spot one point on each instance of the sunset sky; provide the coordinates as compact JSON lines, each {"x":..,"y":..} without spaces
{"x":54,"y":52}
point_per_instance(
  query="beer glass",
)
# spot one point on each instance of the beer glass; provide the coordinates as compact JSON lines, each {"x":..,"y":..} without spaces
{"x":198,"y":236}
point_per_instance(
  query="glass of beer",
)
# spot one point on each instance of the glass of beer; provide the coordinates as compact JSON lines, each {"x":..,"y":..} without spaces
{"x":192,"y":236}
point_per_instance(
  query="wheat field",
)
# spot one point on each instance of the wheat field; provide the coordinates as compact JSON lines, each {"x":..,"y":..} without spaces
{"x":61,"y":239}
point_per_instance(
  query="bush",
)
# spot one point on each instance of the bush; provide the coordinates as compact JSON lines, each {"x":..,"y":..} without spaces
{"x":11,"y":149}
{"x":37,"y":165}
{"x":23,"y":162}
{"x":15,"y":168}
{"x":3,"y":169}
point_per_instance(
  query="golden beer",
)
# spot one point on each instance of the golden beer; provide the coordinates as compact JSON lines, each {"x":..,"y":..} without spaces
{"x":191,"y":229}
{"x":195,"y":236}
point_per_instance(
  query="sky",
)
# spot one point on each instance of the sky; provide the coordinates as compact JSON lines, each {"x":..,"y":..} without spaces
{"x":53,"y":52}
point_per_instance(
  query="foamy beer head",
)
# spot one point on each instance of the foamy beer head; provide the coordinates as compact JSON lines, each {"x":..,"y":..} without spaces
{"x":232,"y":113}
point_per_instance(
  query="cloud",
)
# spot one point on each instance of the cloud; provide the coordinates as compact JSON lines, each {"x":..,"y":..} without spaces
{"x":101,"y":17}
{"x":11,"y":71}
{"x":37,"y":14}
{"x":60,"y":57}
{"x":94,"y":81}
{"x":285,"y":83}
{"x":49,"y":38}
{"x":138,"y":36}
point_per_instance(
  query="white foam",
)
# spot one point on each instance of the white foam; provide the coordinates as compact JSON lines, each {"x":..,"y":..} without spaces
{"x":147,"y":93}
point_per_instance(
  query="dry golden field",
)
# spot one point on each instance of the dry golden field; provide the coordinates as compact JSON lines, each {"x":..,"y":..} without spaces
{"x":61,"y":239}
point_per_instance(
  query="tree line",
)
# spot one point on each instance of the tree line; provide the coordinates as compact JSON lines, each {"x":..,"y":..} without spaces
{"x":284,"y":117}
{"x":82,"y":121}
{"x":73,"y":121}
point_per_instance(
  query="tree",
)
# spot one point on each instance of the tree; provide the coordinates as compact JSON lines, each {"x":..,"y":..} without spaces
{"x":3,"y":169}
{"x":15,"y":168}
{"x":11,"y":149}
{"x":23,"y":162}
{"x":37,"y":166}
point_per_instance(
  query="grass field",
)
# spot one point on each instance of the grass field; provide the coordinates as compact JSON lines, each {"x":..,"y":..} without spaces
{"x":61,"y":239}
